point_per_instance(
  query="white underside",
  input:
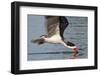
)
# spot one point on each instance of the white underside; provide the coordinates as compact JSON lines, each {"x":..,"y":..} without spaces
{"x":56,"y":39}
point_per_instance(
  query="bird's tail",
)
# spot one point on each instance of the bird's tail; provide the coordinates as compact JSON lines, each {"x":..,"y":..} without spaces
{"x":38,"y":41}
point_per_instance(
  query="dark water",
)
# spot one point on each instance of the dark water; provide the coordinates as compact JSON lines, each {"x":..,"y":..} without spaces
{"x":76,"y":32}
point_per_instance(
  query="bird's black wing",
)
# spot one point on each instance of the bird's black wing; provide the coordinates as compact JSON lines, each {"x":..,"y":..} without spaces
{"x":63,"y":24}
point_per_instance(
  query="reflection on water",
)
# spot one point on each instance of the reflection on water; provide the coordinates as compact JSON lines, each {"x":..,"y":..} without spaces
{"x":76,"y":32}
{"x":54,"y":55}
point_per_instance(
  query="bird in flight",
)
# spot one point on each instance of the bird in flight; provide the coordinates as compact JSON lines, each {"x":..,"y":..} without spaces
{"x":56,"y":26}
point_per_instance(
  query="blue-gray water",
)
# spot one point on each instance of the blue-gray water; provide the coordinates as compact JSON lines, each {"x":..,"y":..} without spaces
{"x":76,"y":32}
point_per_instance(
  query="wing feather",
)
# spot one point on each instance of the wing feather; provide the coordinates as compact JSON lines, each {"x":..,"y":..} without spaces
{"x":56,"y":25}
{"x":52,"y":25}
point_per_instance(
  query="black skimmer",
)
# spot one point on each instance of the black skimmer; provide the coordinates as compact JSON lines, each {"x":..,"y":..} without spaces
{"x":55,"y":29}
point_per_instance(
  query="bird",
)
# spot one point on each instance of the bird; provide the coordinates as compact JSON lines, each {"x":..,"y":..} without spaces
{"x":56,"y":26}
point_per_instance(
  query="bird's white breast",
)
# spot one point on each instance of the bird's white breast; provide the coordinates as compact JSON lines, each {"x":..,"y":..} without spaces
{"x":54,"y":39}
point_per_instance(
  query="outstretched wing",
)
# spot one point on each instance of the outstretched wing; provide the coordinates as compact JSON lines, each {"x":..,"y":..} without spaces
{"x":52,"y":25}
{"x":63,"y":24}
